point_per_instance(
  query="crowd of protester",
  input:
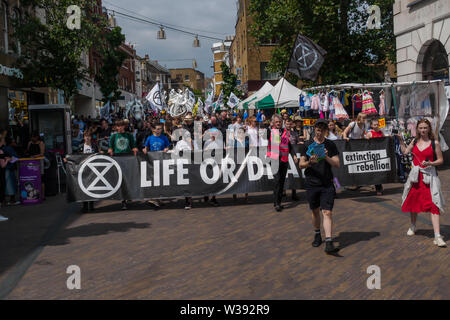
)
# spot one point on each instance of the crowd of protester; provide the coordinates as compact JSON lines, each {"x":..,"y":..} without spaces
{"x":157,"y":132}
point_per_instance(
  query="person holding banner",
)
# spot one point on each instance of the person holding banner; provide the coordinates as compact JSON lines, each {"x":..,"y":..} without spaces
{"x":122,"y":142}
{"x":422,"y":192}
{"x":376,"y":133}
{"x":356,"y":129}
{"x":278,"y":151}
{"x":318,"y":157}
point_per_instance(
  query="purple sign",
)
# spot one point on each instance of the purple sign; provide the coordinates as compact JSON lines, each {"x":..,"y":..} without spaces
{"x":30,"y":181}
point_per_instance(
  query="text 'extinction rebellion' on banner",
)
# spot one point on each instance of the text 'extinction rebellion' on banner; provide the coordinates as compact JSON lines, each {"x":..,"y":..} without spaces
{"x":161,"y":175}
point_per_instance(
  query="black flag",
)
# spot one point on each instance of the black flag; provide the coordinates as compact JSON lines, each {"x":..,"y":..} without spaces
{"x":307,"y":58}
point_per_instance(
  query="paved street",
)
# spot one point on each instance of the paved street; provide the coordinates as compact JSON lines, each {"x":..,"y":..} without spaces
{"x":235,"y":251}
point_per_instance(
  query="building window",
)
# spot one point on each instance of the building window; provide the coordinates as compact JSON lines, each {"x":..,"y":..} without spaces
{"x":265,"y":75}
{"x":186,"y":77}
{"x":435,"y":63}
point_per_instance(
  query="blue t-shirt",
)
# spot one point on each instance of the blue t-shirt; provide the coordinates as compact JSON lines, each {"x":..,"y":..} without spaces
{"x":259,"y":116}
{"x":155,"y":143}
{"x":245,"y":115}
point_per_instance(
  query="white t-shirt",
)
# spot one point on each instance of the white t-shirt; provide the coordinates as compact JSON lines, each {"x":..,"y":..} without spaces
{"x":356,"y":132}
{"x":332,"y":136}
{"x":87,"y":149}
{"x":253,"y":136}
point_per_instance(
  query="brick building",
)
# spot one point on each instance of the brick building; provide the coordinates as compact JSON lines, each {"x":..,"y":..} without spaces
{"x":248,"y":60}
{"x":221,"y":53}
{"x":188,"y":77}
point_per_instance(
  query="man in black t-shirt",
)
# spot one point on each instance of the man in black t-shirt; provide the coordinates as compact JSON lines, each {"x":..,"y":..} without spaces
{"x":319,"y":185}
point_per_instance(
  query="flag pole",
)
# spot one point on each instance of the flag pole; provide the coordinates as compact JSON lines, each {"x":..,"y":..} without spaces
{"x":285,"y":71}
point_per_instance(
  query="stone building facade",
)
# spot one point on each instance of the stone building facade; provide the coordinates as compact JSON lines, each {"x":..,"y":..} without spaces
{"x":422,"y":30}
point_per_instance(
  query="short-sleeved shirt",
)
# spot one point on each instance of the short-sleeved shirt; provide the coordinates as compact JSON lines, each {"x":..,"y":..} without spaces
{"x":157,"y":143}
{"x":319,"y":174}
{"x":122,"y":142}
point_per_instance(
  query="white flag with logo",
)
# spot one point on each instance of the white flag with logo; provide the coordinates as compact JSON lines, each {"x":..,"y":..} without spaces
{"x":155,"y":99}
{"x":209,"y":101}
{"x":219,"y":102}
{"x":233,"y":101}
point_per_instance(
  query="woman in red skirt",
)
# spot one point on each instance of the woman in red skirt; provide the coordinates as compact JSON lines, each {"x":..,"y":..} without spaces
{"x":422,"y":191}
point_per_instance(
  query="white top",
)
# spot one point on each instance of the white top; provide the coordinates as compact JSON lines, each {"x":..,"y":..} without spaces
{"x":253,"y":136}
{"x":356,"y":132}
{"x":332,"y":136}
{"x":87,"y":149}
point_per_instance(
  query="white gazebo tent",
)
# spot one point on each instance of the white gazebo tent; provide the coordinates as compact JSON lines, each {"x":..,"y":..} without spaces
{"x":284,"y":93}
{"x":249,"y":102}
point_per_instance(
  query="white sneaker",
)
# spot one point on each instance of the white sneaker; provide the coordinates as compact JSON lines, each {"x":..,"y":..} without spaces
{"x":2,"y":218}
{"x":410,"y":232}
{"x":439,"y":242}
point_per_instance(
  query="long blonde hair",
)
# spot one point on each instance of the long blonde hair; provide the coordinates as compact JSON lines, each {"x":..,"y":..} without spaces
{"x":337,"y":131}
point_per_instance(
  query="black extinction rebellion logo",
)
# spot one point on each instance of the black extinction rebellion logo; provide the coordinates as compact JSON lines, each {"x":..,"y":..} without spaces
{"x":307,"y":56}
{"x":107,"y":177}
{"x":157,"y":98}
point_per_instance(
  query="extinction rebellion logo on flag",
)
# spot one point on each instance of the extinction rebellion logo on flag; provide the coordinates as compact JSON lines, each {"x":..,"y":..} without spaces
{"x":367,"y":161}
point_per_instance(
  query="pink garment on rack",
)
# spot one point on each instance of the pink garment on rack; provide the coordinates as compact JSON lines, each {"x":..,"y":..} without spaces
{"x":339,"y":111}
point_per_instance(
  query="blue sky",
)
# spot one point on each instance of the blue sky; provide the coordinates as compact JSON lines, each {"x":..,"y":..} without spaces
{"x":217,"y":16}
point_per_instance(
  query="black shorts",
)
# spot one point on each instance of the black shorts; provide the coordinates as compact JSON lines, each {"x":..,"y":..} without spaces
{"x":321,"y":197}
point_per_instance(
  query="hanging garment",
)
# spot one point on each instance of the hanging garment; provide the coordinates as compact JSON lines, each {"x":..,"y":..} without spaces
{"x":330,"y":100}
{"x":382,"y":107}
{"x":326,"y":103}
{"x":357,"y":102}
{"x":315,"y":102}
{"x":342,"y":94}
{"x":368,"y":106}
{"x":302,"y":103}
{"x":307,"y":98}
{"x":426,"y":108}
{"x":414,"y":107}
{"x":339,"y":111}
{"x":403,"y":106}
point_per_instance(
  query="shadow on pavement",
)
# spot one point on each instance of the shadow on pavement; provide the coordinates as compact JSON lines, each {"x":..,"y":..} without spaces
{"x":348,"y":194}
{"x":429,"y":233}
{"x":347,"y":239}
{"x":94,"y":229}
{"x":198,"y":202}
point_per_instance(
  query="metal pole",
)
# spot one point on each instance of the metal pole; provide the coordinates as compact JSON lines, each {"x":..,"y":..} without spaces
{"x":278,"y":100}
{"x":353,"y":106}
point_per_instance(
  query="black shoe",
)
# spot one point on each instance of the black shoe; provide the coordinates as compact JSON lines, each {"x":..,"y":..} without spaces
{"x":317,"y":240}
{"x":278,"y":207}
{"x":91,"y":206}
{"x":295,"y":198}
{"x":124,"y":205}
{"x":330,"y":248}
{"x":214,"y":202}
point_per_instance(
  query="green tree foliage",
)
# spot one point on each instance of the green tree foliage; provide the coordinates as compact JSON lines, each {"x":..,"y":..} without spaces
{"x":112,"y":59}
{"x":355,"y":54}
{"x":229,"y":83}
{"x":51,"y":53}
